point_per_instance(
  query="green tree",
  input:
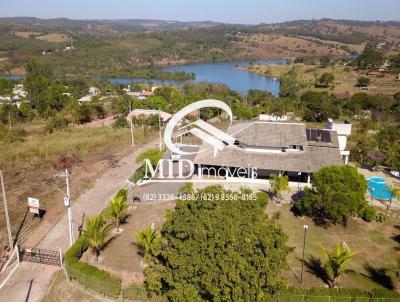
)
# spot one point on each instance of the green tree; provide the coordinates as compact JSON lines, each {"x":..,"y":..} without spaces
{"x":147,"y":240}
{"x":394,"y":159}
{"x":326,"y":80}
{"x":336,"y":262}
{"x":363,"y":82}
{"x":289,"y":85}
{"x":117,"y":209}
{"x":219,"y":249}
{"x":371,"y":57}
{"x":96,"y":233}
{"x":279,"y":184}
{"x":338,"y":192}
{"x":6,"y":87}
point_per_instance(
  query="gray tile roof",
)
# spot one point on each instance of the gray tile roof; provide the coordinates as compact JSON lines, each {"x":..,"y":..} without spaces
{"x":315,"y":155}
{"x":272,"y":134}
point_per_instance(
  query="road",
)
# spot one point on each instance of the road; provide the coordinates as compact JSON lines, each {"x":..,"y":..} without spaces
{"x":31,"y":281}
{"x":159,"y":191}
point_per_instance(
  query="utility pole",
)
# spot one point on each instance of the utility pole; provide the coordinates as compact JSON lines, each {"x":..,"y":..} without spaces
{"x":304,"y":245}
{"x":132,"y":138}
{"x":67,"y":203}
{"x":10,"y":239}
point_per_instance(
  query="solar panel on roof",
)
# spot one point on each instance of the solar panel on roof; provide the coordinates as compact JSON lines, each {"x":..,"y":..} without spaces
{"x":319,"y":135}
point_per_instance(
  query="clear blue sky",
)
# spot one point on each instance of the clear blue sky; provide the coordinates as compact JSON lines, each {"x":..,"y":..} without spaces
{"x":230,"y":11}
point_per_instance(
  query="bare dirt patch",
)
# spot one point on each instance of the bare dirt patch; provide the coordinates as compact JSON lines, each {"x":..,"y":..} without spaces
{"x":58,"y":38}
{"x":120,"y":257}
{"x":27,"y":34}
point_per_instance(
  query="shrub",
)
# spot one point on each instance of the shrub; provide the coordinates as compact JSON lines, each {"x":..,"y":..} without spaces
{"x":75,"y":252}
{"x":380,"y":217}
{"x":89,"y":275}
{"x":368,"y":213}
{"x":96,"y":279}
{"x":56,"y":122}
{"x":338,"y":193}
{"x":121,"y":122}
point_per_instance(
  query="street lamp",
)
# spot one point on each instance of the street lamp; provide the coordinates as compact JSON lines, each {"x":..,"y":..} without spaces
{"x":304,"y":245}
{"x":10,"y":240}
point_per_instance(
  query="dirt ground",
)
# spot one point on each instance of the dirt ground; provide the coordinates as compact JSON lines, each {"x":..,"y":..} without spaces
{"x":62,"y":290}
{"x":121,"y":253}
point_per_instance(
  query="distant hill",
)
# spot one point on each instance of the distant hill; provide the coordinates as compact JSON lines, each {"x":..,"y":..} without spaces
{"x":345,"y":31}
{"x":95,"y":27}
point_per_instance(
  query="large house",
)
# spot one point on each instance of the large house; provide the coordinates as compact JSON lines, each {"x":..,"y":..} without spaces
{"x":274,"y":147}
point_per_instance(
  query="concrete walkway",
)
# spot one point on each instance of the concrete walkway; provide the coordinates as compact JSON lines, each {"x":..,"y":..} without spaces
{"x":31,"y":281}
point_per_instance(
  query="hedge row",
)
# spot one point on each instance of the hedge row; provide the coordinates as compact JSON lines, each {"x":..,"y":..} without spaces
{"x":341,"y":292}
{"x":88,"y":275}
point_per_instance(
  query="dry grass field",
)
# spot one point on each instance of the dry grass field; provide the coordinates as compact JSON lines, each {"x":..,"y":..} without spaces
{"x":58,"y":38}
{"x":27,"y":164}
{"x":27,"y":34}
{"x":345,"y":77}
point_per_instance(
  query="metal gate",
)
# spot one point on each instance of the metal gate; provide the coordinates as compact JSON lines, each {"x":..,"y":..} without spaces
{"x":43,"y":256}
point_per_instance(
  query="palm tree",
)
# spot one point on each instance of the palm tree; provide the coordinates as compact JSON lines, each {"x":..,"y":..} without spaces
{"x":96,"y":233}
{"x":279,"y":184}
{"x":394,"y":194}
{"x":147,"y":239}
{"x":336,"y":262}
{"x":117,"y":210}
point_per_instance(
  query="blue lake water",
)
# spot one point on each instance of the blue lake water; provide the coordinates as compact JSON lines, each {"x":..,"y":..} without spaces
{"x":225,"y":72}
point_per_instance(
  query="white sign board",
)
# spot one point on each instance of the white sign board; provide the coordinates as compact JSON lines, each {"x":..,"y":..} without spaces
{"x":33,"y":202}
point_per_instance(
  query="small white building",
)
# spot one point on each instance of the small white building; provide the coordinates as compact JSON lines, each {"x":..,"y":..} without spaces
{"x":84,"y":99}
{"x":19,"y":91}
{"x":275,"y":118}
{"x":343,"y":130}
{"x":93,"y":91}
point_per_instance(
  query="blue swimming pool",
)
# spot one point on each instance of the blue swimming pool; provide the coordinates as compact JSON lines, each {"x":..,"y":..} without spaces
{"x":378,"y":189}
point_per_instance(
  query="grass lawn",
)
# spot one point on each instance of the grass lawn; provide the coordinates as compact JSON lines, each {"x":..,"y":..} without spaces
{"x":62,"y":290}
{"x":373,"y":266}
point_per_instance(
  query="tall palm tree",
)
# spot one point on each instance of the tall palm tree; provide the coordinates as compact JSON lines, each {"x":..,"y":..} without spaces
{"x":147,"y":239}
{"x":336,"y":262}
{"x":279,"y":184}
{"x":96,"y":233}
{"x":117,"y":210}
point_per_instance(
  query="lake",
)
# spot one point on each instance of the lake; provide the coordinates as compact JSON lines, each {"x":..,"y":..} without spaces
{"x":218,"y":72}
{"x":225,"y":72}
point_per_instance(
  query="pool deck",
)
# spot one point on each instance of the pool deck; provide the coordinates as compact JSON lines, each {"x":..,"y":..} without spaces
{"x":389,"y":179}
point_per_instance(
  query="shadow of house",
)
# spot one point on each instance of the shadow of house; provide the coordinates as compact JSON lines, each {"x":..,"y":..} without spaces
{"x":380,"y":276}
